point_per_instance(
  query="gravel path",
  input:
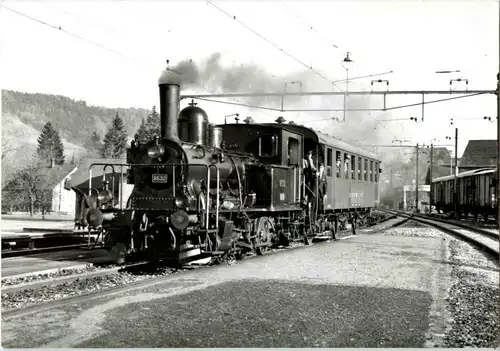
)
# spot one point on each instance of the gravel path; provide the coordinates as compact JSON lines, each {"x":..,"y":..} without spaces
{"x":473,"y":302}
{"x":272,"y":314}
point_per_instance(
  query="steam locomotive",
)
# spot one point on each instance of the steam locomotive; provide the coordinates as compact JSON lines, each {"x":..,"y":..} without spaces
{"x":202,"y":190}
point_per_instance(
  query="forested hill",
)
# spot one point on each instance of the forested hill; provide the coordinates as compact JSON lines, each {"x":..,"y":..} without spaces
{"x":75,"y":120}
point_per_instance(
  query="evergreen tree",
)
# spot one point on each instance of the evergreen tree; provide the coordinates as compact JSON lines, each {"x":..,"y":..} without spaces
{"x":142,"y":132}
{"x":50,"y":146}
{"x":149,"y":127}
{"x":115,"y":140}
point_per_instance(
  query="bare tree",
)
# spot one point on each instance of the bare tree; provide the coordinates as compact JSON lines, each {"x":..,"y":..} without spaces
{"x":29,"y":188}
{"x":9,"y":144}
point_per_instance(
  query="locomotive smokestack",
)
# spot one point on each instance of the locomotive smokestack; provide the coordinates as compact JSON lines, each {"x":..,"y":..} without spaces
{"x":169,"y":84}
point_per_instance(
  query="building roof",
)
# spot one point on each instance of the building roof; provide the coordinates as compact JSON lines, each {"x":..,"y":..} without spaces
{"x":48,"y":177}
{"x":441,"y":159}
{"x":480,"y":153}
{"x":81,"y":176}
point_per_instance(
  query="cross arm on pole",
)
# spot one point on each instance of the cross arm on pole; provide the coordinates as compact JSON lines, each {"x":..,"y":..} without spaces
{"x":330,"y":93}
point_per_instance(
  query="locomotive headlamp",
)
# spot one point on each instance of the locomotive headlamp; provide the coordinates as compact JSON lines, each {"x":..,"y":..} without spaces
{"x":94,"y":218}
{"x":179,"y":219}
{"x":104,"y":196}
{"x":182,"y":201}
{"x":156,"y":151}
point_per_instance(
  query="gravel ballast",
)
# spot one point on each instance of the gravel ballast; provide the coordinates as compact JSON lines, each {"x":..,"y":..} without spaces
{"x":78,"y":286}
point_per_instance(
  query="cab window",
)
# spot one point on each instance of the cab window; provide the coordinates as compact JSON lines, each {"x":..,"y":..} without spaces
{"x":268,"y":146}
{"x":293,"y":151}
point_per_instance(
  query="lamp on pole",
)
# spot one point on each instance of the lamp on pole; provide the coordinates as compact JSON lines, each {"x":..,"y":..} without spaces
{"x":347,"y":64}
{"x":231,"y":115}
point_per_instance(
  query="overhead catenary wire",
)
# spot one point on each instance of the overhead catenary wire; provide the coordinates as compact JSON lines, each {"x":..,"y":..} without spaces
{"x":336,"y":47}
{"x":170,"y":29}
{"x":88,"y":41}
{"x":101,"y":46}
{"x":274,"y":44}
{"x":308,"y":25}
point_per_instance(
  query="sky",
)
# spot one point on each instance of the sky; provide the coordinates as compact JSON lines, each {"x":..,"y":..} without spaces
{"x":117,"y":50}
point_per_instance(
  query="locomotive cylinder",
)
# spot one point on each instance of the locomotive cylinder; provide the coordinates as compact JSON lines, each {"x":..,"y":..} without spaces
{"x":215,"y":134}
{"x":169,"y":105}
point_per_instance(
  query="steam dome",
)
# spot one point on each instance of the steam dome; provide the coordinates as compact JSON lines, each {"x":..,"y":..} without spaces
{"x":193,"y":125}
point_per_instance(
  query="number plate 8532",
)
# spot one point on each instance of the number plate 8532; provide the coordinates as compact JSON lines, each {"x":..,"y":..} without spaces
{"x":160,"y":178}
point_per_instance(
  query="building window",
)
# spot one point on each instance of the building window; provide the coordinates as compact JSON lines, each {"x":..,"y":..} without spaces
{"x":376,"y":171}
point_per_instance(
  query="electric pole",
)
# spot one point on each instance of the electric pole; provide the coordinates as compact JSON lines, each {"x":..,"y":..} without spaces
{"x":431,"y":197}
{"x":392,"y":190}
{"x":456,"y":174}
{"x":498,"y":128}
{"x":416,"y":183}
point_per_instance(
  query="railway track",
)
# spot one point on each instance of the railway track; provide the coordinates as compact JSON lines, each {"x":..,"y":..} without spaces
{"x":487,"y":240}
{"x":36,"y":287}
{"x":42,"y":240}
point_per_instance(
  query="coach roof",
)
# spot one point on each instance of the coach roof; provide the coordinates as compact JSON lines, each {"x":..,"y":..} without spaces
{"x":465,"y":174}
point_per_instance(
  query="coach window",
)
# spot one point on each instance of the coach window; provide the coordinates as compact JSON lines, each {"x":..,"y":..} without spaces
{"x":293,"y":151}
{"x":353,"y":167}
{"x":347,"y":160}
{"x":268,"y":145}
{"x":338,"y":162}
{"x":329,"y":161}
{"x":371,"y":171}
{"x":360,"y":166}
{"x":365,"y":169}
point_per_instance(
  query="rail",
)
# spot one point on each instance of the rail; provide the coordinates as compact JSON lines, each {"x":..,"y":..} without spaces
{"x":477,"y":236}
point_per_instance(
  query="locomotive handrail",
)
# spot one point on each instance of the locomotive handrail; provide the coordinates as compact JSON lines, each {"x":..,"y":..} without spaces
{"x":120,"y":189}
{"x":217,"y":204}
{"x":113,"y":180}
{"x":239,"y":182}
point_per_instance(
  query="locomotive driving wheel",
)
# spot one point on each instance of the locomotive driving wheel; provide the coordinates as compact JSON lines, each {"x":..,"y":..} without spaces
{"x":263,"y":234}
